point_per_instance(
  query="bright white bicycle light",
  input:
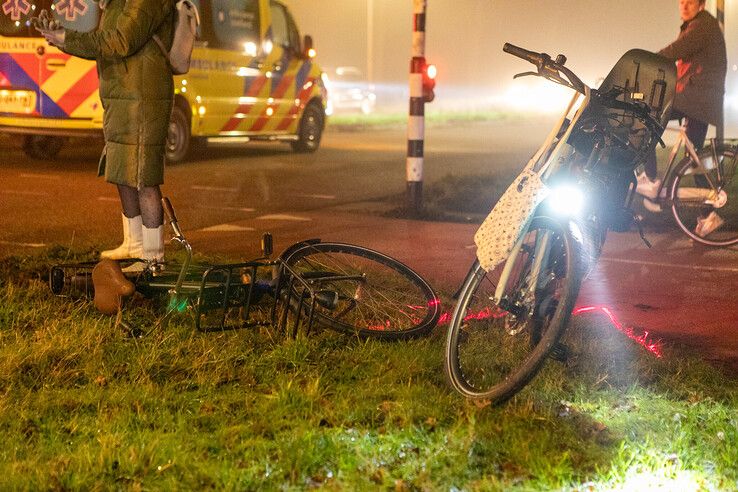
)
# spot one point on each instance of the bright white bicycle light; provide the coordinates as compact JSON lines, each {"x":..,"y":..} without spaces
{"x":566,"y":200}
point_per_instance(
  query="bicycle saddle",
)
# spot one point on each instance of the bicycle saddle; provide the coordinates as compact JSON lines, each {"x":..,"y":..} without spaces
{"x":111,"y":286}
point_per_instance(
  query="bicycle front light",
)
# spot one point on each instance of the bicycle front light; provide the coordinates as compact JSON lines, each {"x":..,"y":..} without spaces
{"x":566,"y":200}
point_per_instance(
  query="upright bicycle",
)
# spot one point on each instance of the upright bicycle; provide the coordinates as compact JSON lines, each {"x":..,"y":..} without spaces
{"x":344,"y":287}
{"x":509,"y":319}
{"x":701,"y":190}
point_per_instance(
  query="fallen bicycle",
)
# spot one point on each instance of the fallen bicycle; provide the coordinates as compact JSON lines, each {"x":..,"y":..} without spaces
{"x":345,"y":287}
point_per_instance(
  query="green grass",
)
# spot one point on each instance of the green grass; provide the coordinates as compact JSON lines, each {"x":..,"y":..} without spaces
{"x":455,"y":198}
{"x":82,"y":407}
{"x":379,"y":119}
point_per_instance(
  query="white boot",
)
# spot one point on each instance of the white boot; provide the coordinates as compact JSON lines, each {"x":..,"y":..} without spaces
{"x":153,"y":243}
{"x":132,"y":246}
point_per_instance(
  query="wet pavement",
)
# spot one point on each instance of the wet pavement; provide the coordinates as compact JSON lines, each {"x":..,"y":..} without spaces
{"x":676,"y":290}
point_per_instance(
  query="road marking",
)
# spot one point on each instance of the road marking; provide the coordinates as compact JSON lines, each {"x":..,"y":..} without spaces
{"x":319,"y":197}
{"x":27,"y":245}
{"x":364,"y":146}
{"x":236,"y":209}
{"x":24,"y":192}
{"x":293,"y":218}
{"x":212,"y":188}
{"x":226,"y":228}
{"x":108,"y":199}
{"x":42,"y":176}
{"x":672,"y":265}
{"x":658,"y":264}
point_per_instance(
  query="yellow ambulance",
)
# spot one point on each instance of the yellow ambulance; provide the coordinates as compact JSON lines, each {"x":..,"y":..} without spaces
{"x":251,"y":76}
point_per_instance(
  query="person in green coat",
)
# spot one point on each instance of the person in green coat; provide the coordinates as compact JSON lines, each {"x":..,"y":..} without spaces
{"x":136,"y":90}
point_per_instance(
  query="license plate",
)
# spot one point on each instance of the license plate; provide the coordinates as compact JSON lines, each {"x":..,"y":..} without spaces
{"x":17,"y":101}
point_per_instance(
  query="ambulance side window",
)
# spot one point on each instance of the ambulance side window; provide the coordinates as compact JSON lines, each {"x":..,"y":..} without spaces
{"x":80,"y":16}
{"x":284,"y":32}
{"x":235,"y":23}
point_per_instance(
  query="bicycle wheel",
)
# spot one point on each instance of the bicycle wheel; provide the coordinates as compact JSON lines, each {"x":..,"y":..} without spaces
{"x":375,"y":295}
{"x":494,"y":349}
{"x":693,"y":199}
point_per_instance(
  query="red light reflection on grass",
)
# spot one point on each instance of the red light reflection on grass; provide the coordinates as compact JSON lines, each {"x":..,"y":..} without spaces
{"x":410,"y":313}
{"x":485,"y":313}
{"x":642,"y":339}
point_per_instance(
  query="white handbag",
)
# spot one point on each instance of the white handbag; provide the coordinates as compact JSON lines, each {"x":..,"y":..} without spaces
{"x":501,"y":229}
{"x":511,"y":215}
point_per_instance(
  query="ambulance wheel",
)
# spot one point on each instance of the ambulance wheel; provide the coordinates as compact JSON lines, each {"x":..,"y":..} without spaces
{"x":178,"y":136}
{"x":311,"y":129}
{"x":42,"y":147}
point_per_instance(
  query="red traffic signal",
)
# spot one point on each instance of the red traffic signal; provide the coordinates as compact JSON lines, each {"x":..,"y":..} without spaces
{"x":429,"y":82}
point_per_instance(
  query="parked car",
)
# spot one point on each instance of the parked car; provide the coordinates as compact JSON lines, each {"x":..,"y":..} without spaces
{"x":348,"y":90}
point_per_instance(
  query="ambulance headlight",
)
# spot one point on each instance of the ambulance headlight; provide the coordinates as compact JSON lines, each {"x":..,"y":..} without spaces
{"x":565,"y":200}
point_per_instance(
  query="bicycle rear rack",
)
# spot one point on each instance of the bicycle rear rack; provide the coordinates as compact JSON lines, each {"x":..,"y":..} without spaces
{"x":221,"y":297}
{"x":224,"y":288}
{"x":228,"y":287}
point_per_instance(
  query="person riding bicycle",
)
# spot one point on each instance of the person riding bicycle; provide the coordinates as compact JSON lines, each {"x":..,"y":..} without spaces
{"x":699,"y":52}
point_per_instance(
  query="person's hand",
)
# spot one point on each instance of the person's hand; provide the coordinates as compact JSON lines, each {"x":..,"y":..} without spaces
{"x":49,"y":28}
{"x":45,"y":22}
{"x":55,"y":37}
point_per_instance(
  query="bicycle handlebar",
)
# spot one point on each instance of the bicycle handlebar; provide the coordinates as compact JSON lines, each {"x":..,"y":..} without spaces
{"x":531,"y":56}
{"x":548,"y":68}
{"x":552,"y":70}
{"x":171,"y":217}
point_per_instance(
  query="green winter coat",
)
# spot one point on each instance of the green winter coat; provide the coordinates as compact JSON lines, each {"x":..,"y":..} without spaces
{"x":136,"y":86}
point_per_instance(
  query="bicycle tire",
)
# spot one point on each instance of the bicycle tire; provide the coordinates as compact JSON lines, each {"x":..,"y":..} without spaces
{"x":491,"y":353}
{"x":688,"y":203}
{"x":378,"y":296}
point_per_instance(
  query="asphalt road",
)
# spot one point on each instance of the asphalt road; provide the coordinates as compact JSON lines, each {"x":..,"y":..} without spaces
{"x":64,"y":202}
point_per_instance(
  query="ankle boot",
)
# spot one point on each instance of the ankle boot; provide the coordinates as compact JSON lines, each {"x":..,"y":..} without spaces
{"x":132,"y":246}
{"x":153,"y":243}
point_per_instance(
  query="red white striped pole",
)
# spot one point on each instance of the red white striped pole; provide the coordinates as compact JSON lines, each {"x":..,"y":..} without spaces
{"x":416,"y":120}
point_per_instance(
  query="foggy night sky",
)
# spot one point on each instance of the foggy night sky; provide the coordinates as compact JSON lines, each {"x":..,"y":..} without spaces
{"x":464,"y":38}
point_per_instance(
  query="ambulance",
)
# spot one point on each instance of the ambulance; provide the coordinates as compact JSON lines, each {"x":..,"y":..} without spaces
{"x":252,"y":76}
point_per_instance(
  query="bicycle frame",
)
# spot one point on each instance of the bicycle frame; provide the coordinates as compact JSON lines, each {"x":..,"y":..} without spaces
{"x":684,"y":141}
{"x":209,"y":289}
{"x":546,"y":162}
{"x":589,"y":169}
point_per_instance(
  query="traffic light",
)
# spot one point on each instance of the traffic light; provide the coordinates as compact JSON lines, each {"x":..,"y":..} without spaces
{"x":429,"y":82}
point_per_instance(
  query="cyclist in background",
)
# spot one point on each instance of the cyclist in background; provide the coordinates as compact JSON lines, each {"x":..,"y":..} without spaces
{"x":699,"y":52}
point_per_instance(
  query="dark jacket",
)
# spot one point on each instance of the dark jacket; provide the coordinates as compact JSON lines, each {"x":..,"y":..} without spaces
{"x":136,"y":86}
{"x":701,"y":65}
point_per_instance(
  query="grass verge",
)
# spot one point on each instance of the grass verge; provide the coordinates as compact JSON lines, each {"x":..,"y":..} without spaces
{"x":455,"y":198}
{"x":84,"y":408}
{"x":355,"y":121}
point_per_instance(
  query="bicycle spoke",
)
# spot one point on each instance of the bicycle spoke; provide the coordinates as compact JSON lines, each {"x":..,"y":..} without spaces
{"x":376,"y":294}
{"x":492,"y":352}
{"x":706,"y":214}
